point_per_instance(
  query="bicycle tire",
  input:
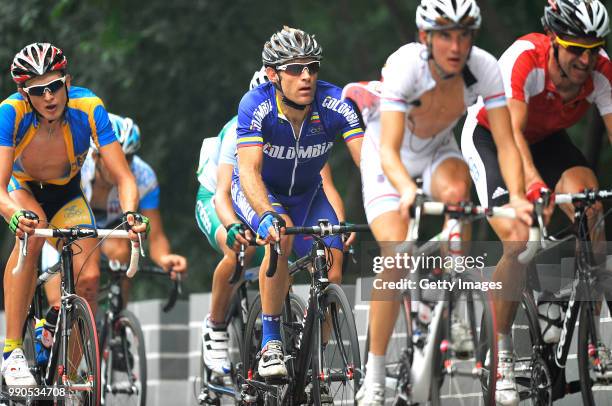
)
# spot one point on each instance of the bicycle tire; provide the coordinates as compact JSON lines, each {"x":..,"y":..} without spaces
{"x":485,"y":338}
{"x":399,"y":350}
{"x":253,"y":337}
{"x":29,"y":347}
{"x":585,"y":361}
{"x":82,"y":344}
{"x":128,"y":330}
{"x":235,"y":330}
{"x":339,"y":363}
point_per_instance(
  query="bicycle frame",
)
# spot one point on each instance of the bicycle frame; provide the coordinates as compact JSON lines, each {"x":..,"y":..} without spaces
{"x":63,"y":320}
{"x":580,"y":290}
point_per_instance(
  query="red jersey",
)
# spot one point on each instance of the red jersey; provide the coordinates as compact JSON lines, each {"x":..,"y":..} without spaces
{"x":526,"y":78}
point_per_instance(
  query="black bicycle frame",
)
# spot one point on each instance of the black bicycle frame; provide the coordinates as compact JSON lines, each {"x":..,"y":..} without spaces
{"x":67,"y":289}
{"x":581,"y":289}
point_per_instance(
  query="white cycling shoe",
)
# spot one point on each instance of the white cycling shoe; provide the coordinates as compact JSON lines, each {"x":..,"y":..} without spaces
{"x":215,"y":341}
{"x":272,"y":361}
{"x":371,"y":394}
{"x":506,"y":392}
{"x":16,"y":371}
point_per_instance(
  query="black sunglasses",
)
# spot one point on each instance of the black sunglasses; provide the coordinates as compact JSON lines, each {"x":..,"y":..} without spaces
{"x":52,"y":87}
{"x":296,"y":69}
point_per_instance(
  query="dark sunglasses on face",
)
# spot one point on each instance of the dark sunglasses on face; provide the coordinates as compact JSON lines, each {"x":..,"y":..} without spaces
{"x":577,"y":49}
{"x":52,"y":87}
{"x":296,"y":69}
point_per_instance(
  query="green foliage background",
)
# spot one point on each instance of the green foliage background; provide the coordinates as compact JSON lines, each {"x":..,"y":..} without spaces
{"x":179,"y":69}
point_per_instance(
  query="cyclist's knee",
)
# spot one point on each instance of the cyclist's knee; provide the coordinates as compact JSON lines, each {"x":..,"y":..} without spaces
{"x":87,"y":285}
{"x":117,"y":249}
{"x":454,"y":191}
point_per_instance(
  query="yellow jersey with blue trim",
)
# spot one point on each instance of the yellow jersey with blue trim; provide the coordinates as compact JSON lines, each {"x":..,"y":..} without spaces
{"x":85,"y":119}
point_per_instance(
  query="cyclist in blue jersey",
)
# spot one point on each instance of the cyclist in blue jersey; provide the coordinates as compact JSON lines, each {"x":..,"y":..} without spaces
{"x":45,"y":132}
{"x":218,"y":221}
{"x":286,"y":129}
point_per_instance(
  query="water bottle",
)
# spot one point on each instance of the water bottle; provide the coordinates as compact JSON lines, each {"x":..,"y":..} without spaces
{"x":42,"y":352}
{"x":43,"y":333}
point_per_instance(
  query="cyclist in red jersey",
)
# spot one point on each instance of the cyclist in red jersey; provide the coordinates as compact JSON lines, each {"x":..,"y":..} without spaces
{"x":550,"y":80}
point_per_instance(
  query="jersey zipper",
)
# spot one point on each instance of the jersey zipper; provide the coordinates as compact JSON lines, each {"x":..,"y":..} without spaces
{"x":297,"y":148}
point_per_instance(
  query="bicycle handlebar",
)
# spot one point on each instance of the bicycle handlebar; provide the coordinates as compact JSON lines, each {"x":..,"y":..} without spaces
{"x":324,"y":229}
{"x":78,"y":233}
{"x":468,"y":210}
{"x":177,"y":286}
{"x":537,"y":232}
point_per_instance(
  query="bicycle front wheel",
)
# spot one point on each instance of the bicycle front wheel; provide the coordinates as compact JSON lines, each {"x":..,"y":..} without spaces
{"x":124,"y":362}
{"x":336,"y":362}
{"x":465,"y":359}
{"x":593,"y":354}
{"x":80,"y":376}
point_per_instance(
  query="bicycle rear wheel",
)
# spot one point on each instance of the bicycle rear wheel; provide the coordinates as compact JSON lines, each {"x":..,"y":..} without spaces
{"x":124,"y":362}
{"x":336,"y":362}
{"x":81,"y":376}
{"x":461,"y":369}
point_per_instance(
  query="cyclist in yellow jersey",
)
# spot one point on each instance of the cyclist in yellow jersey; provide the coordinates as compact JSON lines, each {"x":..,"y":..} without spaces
{"x":45,"y":132}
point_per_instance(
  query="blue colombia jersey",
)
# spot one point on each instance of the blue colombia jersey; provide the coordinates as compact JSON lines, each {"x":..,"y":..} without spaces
{"x":292,"y":162}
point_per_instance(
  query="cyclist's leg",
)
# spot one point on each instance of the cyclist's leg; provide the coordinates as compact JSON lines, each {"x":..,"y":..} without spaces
{"x":86,"y":265}
{"x":315,"y":206}
{"x":480,"y":153}
{"x":447,"y":179}
{"x":18,"y":292}
{"x":272,"y":290}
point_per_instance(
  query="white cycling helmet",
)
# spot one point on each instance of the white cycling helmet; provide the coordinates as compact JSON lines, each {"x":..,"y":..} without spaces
{"x":259,"y":78}
{"x":578,"y":18}
{"x":448,"y":14}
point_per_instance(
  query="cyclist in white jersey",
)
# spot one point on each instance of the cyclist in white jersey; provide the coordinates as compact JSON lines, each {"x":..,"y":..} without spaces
{"x":426,"y":88}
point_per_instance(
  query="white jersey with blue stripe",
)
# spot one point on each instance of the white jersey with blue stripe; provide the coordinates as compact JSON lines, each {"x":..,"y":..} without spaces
{"x":292,"y":162}
{"x":148,"y":189}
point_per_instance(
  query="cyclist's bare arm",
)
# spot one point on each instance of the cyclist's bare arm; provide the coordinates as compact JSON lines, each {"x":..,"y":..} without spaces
{"x":607,"y":119}
{"x":518,"y":117}
{"x":7,"y":205}
{"x":250,"y":161}
{"x":392,"y":134}
{"x":331,"y":192}
{"x":159,"y":246}
{"x":115,"y":162}
{"x":223,"y":195}
{"x":507,"y":151}
{"x":354,"y":148}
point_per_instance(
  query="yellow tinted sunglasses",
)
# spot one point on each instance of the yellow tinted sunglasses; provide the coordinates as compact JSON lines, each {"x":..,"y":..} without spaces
{"x":578,"y":49}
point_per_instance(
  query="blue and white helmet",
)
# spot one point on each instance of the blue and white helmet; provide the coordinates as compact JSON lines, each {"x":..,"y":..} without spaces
{"x":127,"y":133}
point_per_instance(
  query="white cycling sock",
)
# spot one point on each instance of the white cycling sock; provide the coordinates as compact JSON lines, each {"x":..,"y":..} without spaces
{"x":375,"y":369}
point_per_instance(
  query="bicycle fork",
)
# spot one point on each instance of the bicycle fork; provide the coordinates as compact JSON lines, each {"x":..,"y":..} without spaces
{"x":422,"y":360}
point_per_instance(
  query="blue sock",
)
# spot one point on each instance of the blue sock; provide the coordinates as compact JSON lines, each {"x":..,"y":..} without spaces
{"x":271,"y":328}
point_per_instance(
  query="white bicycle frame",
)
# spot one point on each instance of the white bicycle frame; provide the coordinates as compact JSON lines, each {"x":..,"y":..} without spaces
{"x":422,"y":359}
